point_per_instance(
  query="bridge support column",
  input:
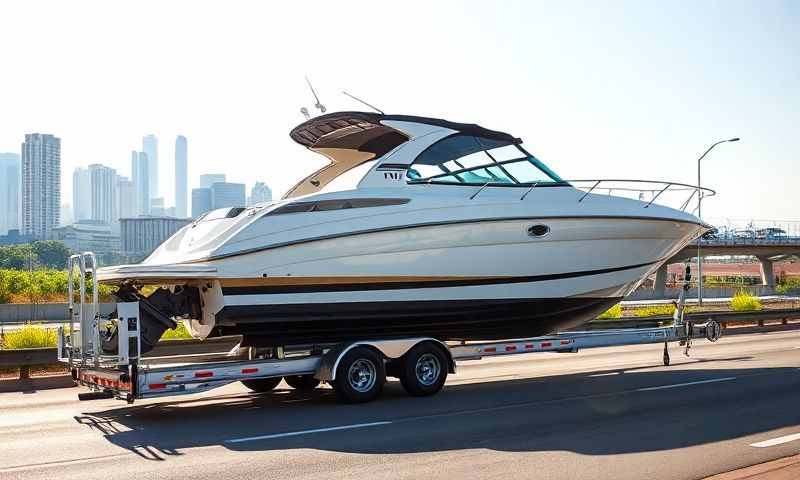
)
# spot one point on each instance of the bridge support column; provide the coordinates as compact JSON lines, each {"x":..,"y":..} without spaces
{"x":767,"y":275}
{"x":660,"y":286}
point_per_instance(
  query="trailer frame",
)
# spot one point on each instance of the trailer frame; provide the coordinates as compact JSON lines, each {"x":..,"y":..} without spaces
{"x":129,"y":376}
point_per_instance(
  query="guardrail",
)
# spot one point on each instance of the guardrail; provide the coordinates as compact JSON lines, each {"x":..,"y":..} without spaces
{"x":26,"y":358}
{"x":723,"y":318}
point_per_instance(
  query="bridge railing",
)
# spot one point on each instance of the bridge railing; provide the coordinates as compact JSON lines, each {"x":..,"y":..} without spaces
{"x":748,"y":242}
{"x":769,"y":232}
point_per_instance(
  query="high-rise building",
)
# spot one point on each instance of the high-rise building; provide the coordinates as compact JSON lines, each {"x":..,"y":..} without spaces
{"x":211,"y":178}
{"x":104,"y":194}
{"x":81,"y":194}
{"x":141,"y":181}
{"x":126,"y":198}
{"x":9,"y":192}
{"x":150,"y":147}
{"x":181,"y":176}
{"x":41,"y":184}
{"x":201,"y":201}
{"x":225,"y":194}
{"x":260,"y":193}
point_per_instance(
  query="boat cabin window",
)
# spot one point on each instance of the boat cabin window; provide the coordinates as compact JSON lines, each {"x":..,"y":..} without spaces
{"x":475,"y":160}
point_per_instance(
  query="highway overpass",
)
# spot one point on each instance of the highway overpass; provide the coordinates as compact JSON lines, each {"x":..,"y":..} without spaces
{"x":766,"y":250}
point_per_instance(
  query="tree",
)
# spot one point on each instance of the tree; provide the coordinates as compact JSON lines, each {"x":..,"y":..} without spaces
{"x":52,"y":254}
{"x":15,"y":256}
{"x":48,"y":254}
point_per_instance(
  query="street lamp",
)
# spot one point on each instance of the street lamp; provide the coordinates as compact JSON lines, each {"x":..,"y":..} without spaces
{"x":700,"y":216}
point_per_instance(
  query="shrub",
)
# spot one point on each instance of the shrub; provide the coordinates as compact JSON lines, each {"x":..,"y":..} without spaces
{"x":29,"y":336}
{"x":744,"y":302}
{"x":41,"y":286}
{"x":5,"y":287}
{"x":788,"y":285}
{"x":655,"y":310}
{"x":613,"y":312}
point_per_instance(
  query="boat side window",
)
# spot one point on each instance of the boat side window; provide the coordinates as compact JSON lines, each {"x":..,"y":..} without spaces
{"x":475,"y":160}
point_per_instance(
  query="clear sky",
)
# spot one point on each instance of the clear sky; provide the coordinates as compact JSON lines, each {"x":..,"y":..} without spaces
{"x":595,"y":89}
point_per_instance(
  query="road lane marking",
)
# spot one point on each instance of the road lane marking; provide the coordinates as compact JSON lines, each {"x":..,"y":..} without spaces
{"x":677,"y":385}
{"x":776,"y":441}
{"x":306,"y":432}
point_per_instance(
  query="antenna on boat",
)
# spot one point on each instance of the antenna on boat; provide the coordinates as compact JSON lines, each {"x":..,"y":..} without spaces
{"x":365,"y":103}
{"x":318,"y":105}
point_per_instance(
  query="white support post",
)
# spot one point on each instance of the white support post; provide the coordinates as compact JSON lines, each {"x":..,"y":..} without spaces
{"x":128,"y":327}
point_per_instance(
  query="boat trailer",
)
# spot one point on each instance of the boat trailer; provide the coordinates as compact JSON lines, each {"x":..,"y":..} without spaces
{"x":356,"y":370}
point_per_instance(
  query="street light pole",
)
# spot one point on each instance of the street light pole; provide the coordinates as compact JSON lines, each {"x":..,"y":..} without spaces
{"x":700,"y":216}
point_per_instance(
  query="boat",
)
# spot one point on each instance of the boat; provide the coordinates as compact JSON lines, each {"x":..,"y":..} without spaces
{"x":416,"y":227}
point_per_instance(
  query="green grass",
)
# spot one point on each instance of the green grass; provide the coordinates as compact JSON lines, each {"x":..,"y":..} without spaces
{"x":178,"y":333}
{"x":744,"y":302}
{"x":29,"y":336}
{"x":613,"y":312}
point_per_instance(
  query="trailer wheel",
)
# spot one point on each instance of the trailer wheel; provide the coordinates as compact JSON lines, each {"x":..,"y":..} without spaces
{"x":262,"y":385}
{"x":423,"y":370}
{"x":302,"y":382}
{"x":360,"y":376}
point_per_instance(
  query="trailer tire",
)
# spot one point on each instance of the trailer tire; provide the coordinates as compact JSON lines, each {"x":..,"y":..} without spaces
{"x":261,"y":385}
{"x":303,"y":383}
{"x":360,"y":375}
{"x":423,"y":369}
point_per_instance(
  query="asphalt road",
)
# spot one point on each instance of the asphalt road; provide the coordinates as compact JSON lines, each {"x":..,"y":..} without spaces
{"x":612,"y":413}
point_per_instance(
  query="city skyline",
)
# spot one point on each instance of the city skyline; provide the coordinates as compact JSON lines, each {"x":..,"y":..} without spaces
{"x":100,"y":195}
{"x":644,"y":102}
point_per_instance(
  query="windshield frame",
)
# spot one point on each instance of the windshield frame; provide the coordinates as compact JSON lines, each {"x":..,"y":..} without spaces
{"x":536,"y":164}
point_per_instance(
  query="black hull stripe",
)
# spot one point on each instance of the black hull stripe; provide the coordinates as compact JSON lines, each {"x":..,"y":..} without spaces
{"x":346,"y":287}
{"x":287,"y":324}
{"x":392,"y":228}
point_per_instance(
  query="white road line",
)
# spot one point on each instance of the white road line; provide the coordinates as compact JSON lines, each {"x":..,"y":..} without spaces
{"x":776,"y":441}
{"x":306,"y":432}
{"x":676,"y":385}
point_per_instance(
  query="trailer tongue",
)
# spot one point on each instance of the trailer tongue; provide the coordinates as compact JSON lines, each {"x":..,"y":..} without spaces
{"x":113,"y":365}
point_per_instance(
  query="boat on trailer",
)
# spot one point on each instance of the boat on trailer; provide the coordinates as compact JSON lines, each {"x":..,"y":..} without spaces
{"x":417,"y":227}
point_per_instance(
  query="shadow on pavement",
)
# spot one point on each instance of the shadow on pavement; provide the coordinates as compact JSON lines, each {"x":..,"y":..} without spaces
{"x":594,"y":413}
{"x":32,"y":385}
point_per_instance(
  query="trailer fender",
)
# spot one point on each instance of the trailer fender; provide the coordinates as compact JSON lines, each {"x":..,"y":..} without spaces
{"x":389,"y":349}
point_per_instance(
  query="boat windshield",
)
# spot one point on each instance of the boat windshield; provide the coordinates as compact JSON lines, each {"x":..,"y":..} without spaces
{"x":472,"y":160}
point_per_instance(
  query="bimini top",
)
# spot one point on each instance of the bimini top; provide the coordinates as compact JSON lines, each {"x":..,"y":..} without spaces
{"x":350,"y":139}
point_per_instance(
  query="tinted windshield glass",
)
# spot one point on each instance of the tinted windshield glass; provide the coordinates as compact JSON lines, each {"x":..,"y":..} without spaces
{"x":476,"y":160}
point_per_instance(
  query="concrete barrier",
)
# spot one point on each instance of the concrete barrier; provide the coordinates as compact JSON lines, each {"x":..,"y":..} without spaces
{"x":14,"y":313}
